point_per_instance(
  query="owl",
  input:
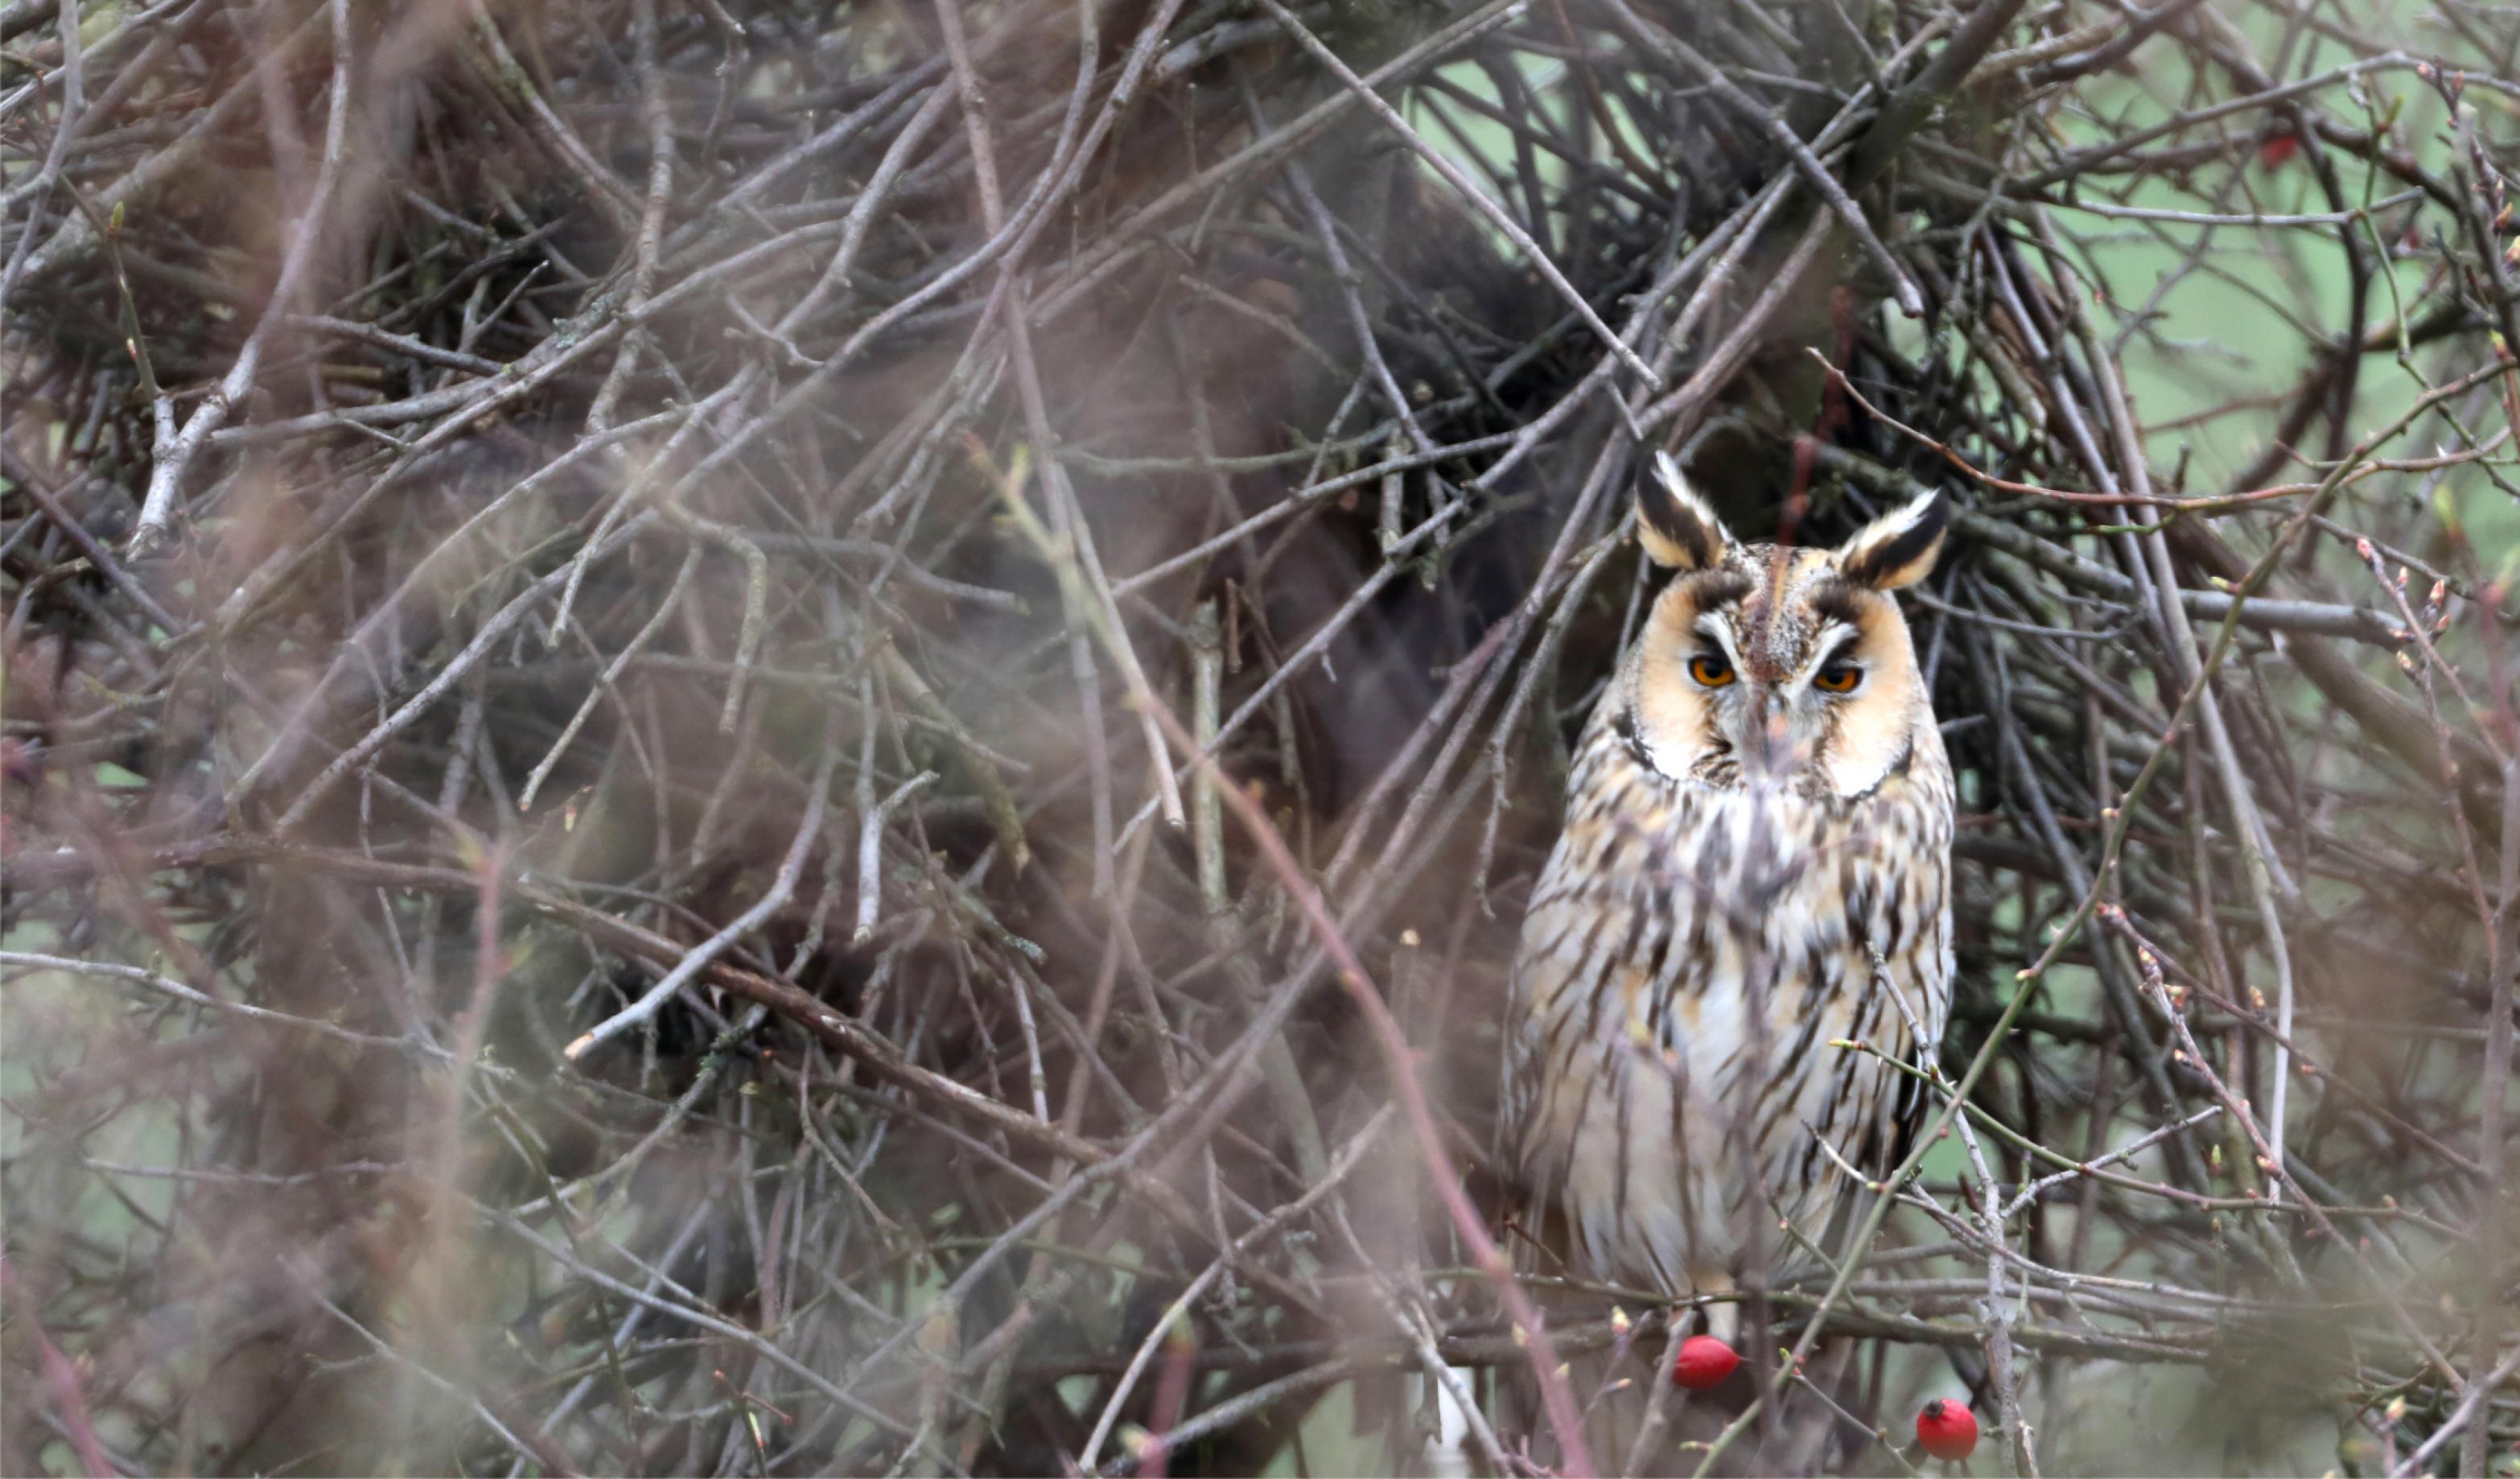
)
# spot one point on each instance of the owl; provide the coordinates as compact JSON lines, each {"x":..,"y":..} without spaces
{"x":1755,"y":863}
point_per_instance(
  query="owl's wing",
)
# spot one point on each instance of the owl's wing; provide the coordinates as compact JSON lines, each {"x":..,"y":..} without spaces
{"x":1524,"y":1031}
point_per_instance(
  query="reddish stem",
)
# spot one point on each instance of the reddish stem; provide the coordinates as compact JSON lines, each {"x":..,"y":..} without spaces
{"x":69,"y":1404}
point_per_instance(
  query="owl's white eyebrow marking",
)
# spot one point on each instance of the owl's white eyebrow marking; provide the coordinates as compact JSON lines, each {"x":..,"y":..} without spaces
{"x":1835,"y":640}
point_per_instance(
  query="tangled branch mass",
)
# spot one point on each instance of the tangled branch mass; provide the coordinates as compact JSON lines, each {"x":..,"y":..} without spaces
{"x":747,"y":737}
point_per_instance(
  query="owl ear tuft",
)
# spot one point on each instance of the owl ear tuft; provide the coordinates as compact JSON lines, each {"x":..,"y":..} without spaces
{"x":1674,"y":524}
{"x":1900,"y":548}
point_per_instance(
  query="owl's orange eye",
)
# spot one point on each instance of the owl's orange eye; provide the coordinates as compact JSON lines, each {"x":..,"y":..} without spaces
{"x":1710,"y":669}
{"x":1838,"y":678}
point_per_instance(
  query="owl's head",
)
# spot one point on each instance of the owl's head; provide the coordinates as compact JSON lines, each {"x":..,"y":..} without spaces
{"x":1791,"y":663}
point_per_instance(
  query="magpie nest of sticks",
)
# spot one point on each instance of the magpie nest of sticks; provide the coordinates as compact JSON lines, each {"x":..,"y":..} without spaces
{"x":746,"y":737}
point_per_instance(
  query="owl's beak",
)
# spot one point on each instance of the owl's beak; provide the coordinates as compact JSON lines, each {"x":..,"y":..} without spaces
{"x":1768,"y":746}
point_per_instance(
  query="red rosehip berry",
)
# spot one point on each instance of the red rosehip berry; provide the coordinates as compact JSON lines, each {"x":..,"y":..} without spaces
{"x":1948,"y":1430}
{"x":1703,"y":1362}
{"x":2278,"y":150}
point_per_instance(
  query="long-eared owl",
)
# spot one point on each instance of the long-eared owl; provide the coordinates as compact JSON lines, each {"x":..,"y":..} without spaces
{"x":1756,"y":858}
